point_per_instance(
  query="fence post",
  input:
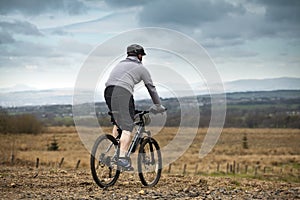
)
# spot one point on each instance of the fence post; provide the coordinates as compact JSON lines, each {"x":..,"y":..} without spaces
{"x":233,"y":167}
{"x":12,"y":159}
{"x":265,"y":169}
{"x":246,"y":169}
{"x":227,"y":168}
{"x":184,"y":168}
{"x":170,"y":166}
{"x":218,"y":167}
{"x":196,"y":168}
{"x":37,"y":163}
{"x":255,"y":170}
{"x":61,"y":162}
{"x":77,"y":165}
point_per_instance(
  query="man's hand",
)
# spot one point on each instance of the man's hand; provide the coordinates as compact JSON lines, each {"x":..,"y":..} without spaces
{"x":157,"y":108}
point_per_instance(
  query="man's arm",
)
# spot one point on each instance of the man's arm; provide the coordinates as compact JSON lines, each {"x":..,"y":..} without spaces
{"x":146,"y":77}
{"x":153,"y":93}
{"x":157,"y":107}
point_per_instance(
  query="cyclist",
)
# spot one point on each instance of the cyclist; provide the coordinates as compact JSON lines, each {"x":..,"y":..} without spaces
{"x":119,"y":95}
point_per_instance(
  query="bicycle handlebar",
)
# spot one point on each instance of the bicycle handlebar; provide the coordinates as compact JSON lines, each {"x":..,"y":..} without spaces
{"x":138,"y":112}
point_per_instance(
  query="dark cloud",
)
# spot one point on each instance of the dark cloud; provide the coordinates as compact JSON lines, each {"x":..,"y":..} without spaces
{"x":222,"y":22}
{"x":36,"y":7}
{"x":20,"y":27}
{"x":284,"y":13}
{"x":9,"y":28}
{"x":28,"y":50}
{"x":210,"y":22}
{"x":186,"y":13}
{"x":6,"y":38}
{"x":281,"y":18}
{"x":281,"y":10}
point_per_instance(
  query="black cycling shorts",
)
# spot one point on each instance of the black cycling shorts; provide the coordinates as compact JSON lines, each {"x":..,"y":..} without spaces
{"x":121,"y":103}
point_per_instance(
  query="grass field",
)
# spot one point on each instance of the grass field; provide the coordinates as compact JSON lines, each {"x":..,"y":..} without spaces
{"x":278,"y":149}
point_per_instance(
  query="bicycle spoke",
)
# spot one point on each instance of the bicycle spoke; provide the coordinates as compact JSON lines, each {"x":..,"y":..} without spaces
{"x":149,"y":162}
{"x":104,"y":170}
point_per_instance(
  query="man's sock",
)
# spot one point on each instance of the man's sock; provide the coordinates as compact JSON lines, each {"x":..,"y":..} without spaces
{"x":122,"y":153}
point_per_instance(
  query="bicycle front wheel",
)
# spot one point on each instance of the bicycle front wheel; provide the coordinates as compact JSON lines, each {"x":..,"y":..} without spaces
{"x":103,"y":161}
{"x":149,"y":162}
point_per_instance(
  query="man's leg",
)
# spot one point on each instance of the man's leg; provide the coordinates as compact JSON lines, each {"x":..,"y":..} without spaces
{"x":122,"y":102}
{"x":129,"y":112}
{"x":115,"y":131}
{"x":124,"y":142}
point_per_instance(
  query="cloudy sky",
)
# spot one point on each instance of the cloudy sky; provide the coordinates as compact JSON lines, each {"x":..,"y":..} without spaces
{"x":43,"y":44}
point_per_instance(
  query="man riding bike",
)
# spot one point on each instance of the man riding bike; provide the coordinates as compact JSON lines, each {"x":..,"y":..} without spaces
{"x":119,"y":95}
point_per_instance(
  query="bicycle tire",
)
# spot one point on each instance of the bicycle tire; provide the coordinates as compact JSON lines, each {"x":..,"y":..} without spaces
{"x":104,"y":169}
{"x":149,"y":170}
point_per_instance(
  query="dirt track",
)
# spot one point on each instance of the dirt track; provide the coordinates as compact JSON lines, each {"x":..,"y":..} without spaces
{"x":26,"y":183}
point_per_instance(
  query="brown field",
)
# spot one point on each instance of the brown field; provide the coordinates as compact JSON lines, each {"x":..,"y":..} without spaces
{"x":266,"y":147}
{"x":274,"y":153}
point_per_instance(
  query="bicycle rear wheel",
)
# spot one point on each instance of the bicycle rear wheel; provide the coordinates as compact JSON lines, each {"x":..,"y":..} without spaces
{"x":149,"y":162}
{"x":103,"y":161}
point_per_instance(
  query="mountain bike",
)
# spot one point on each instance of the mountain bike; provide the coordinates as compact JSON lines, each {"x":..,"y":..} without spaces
{"x":105,"y":155}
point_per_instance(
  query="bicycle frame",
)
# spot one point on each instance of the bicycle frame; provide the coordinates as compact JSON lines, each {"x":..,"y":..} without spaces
{"x":137,"y":138}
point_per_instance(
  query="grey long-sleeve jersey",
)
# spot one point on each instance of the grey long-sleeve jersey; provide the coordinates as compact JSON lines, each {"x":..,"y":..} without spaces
{"x":130,"y":72}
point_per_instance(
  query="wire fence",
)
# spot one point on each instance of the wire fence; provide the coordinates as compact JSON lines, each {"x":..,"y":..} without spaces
{"x":284,"y":172}
{"x":235,"y":169}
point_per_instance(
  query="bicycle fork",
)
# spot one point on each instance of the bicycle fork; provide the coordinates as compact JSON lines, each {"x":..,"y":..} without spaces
{"x":152,"y":160}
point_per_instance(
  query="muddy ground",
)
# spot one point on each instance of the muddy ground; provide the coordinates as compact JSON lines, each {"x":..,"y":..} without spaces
{"x":51,"y":183}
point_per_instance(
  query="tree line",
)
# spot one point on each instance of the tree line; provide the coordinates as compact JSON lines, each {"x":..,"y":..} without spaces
{"x":23,"y":123}
{"x":277,"y":109}
{"x":235,"y":117}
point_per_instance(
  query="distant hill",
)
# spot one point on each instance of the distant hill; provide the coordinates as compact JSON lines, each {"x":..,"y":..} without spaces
{"x":36,"y":97}
{"x":263,"y":109}
{"x":263,"y":84}
{"x":10,"y":97}
{"x":17,"y":88}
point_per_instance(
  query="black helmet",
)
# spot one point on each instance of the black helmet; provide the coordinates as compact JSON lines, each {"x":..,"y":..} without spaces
{"x":135,"y":49}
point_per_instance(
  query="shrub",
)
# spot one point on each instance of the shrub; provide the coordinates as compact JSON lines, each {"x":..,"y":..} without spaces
{"x":53,"y":146}
{"x":25,"y":123}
